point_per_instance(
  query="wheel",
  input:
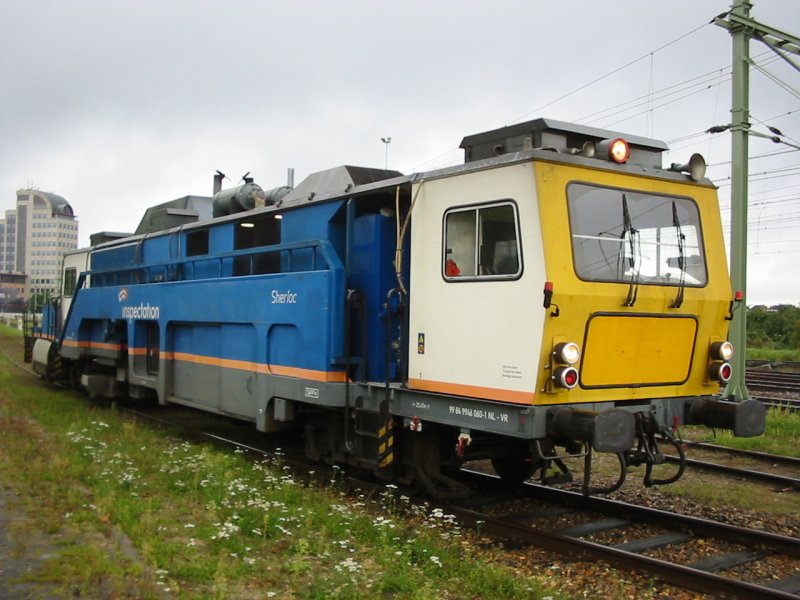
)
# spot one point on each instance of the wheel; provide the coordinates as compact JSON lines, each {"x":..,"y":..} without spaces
{"x":75,"y":372}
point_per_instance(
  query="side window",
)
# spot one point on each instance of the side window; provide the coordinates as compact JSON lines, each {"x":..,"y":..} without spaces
{"x":70,"y":277}
{"x":153,"y":348}
{"x":252,"y":233}
{"x":481,"y":243}
{"x":197,"y":243}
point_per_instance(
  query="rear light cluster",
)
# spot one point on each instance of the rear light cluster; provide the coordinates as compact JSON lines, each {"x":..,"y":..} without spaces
{"x":565,"y":355}
{"x":720,"y":369}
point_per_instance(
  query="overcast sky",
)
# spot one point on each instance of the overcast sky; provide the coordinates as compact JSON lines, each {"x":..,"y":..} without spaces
{"x":120,"y":105}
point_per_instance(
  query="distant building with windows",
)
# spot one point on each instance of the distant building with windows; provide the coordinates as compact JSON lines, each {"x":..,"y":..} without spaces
{"x":12,"y":292}
{"x":8,"y":242}
{"x":34,"y":238}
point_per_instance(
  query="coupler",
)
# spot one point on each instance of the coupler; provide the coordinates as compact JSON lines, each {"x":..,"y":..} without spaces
{"x":611,"y":431}
{"x":608,"y":431}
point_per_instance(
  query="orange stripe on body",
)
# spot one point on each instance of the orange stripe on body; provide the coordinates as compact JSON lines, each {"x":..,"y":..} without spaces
{"x":473,"y":391}
{"x":226,"y":363}
{"x":326,"y":376}
{"x":243,"y":365}
{"x":98,"y":345}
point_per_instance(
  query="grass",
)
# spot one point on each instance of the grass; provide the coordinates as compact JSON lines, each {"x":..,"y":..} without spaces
{"x":139,"y":512}
{"x":782,"y":435}
{"x":773,"y":355}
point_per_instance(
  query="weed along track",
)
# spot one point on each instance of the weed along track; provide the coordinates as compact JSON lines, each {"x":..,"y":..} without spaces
{"x":207,"y":522}
{"x":684,"y":551}
{"x":543,"y":530}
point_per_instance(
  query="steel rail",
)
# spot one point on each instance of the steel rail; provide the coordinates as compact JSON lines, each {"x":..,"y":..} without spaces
{"x":789,"y":461}
{"x":784,"y":480}
{"x":790,"y":404}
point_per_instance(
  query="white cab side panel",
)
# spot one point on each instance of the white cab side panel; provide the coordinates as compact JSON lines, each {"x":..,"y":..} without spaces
{"x":79,"y":261}
{"x":481,"y":338}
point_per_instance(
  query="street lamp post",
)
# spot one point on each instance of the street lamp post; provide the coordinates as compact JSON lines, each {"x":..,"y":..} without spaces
{"x":387,"y":141}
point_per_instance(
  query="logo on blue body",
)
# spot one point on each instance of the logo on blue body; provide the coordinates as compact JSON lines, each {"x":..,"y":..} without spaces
{"x":287,"y":297}
{"x":141,"y":311}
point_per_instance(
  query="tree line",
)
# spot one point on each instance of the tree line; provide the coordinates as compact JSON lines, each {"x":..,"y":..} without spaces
{"x":776,"y":327}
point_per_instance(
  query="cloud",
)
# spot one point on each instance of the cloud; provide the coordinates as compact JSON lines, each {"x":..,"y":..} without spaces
{"x":120,"y":105}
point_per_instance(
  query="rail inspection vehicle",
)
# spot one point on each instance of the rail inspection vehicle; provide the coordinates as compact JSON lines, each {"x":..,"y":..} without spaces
{"x":558,"y":294}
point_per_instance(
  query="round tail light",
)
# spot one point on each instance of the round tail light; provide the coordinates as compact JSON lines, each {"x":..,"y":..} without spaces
{"x":720,"y":371}
{"x":566,"y":377}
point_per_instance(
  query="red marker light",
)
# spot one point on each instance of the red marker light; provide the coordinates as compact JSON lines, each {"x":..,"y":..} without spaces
{"x":720,"y":371}
{"x":565,"y":377}
{"x":548,"y":294}
{"x":738,"y":296}
{"x":571,"y":378}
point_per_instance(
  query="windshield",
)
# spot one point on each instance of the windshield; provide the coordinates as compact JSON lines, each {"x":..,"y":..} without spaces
{"x":626,"y":236}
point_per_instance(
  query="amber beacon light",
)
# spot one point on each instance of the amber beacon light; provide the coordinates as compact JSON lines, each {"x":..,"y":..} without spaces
{"x":616,"y":149}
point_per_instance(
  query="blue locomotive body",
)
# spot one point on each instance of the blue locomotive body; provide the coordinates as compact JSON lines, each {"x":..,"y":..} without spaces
{"x":240,"y":310}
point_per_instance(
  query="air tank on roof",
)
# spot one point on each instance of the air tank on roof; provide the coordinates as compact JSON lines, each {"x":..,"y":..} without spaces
{"x":246,"y":196}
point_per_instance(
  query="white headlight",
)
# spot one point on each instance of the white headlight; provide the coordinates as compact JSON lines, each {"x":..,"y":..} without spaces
{"x":722,"y":350}
{"x":567,"y":353}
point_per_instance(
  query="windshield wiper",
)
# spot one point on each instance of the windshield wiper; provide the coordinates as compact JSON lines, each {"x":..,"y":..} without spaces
{"x":633,"y":239}
{"x":681,"y":257}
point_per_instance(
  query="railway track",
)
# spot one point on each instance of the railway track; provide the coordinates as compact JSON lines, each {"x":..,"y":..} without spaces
{"x":772,"y":381}
{"x":781,"y":403}
{"x":607,"y":530}
{"x":765,"y":472}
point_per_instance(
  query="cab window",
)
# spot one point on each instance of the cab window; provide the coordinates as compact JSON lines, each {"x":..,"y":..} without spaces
{"x":481,"y":242}
{"x":627,"y":236}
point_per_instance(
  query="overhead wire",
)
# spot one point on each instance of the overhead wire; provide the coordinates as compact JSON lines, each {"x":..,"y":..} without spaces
{"x":610,"y":73}
{"x":720,"y":77}
{"x":646,"y":97}
{"x":706,"y":81}
{"x":775,"y":79}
